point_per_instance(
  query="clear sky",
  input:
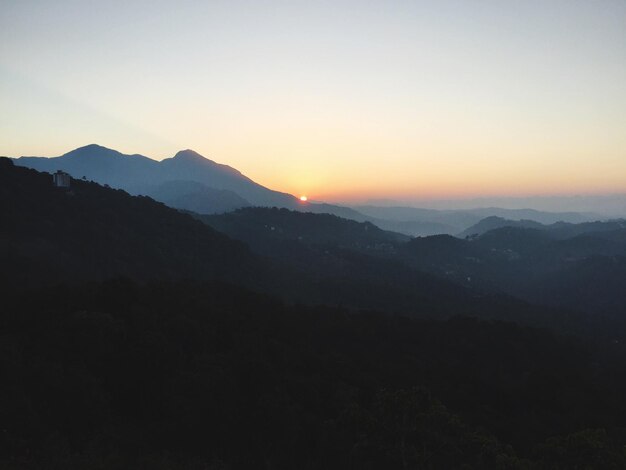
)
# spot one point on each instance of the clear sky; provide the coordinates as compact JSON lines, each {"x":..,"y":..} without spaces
{"x":337,"y":99}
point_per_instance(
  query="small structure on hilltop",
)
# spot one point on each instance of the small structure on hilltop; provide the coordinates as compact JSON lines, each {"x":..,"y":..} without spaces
{"x":61,"y":179}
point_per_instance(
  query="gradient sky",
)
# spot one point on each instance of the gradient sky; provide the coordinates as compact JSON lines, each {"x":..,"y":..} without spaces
{"x":337,"y":99}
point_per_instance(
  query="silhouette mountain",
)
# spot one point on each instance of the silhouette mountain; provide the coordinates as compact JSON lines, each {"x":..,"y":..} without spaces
{"x":577,"y":266}
{"x":175,"y":181}
{"x":422,"y":222}
{"x":494,"y":222}
{"x":138,"y":174}
{"x":260,"y":226}
{"x":558,"y":229}
{"x":196,"y":197}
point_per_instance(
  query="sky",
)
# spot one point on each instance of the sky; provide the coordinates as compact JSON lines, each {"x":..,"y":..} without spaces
{"x":338,"y":100}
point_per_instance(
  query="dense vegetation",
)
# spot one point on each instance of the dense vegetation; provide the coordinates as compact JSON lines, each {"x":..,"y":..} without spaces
{"x":119,"y":375}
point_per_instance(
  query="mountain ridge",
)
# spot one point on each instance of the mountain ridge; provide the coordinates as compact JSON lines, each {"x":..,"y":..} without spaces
{"x":141,"y":175}
{"x":138,"y":174}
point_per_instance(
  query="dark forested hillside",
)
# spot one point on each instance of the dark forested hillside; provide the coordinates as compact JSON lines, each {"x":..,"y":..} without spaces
{"x":259,"y":226}
{"x":574,"y":266}
{"x":91,"y":232}
{"x":118,"y":375}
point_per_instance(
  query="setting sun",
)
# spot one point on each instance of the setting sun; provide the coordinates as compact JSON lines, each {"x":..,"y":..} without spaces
{"x":304,"y":198}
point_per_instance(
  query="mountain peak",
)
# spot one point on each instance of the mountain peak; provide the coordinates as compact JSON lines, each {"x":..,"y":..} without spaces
{"x":92,"y":147}
{"x":190,"y":155}
{"x":92,"y":150}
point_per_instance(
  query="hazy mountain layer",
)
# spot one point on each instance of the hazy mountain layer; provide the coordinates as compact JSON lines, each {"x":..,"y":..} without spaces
{"x":557,"y":230}
{"x":140,"y":175}
{"x":422,"y":222}
{"x":196,"y":197}
{"x":579,"y":266}
{"x":192,"y":182}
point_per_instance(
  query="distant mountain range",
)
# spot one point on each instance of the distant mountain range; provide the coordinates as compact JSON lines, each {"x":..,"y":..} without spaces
{"x":557,"y":229}
{"x":577,"y":266}
{"x":420,"y":222}
{"x":192,"y":182}
{"x":138,"y":174}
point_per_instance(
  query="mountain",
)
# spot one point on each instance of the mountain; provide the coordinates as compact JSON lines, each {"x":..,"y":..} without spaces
{"x":257,"y":225}
{"x":423,"y":222}
{"x":196,"y":197}
{"x":192,"y":182}
{"x":494,"y":222}
{"x":100,"y":164}
{"x":141,"y":175}
{"x":575,"y":266}
{"x":190,"y":166}
{"x":543,"y":217}
{"x":325,"y":259}
{"x":50,"y":234}
{"x":556,"y":230}
{"x":445,"y":221}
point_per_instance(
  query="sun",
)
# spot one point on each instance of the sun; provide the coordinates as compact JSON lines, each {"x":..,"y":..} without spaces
{"x":304,"y":198}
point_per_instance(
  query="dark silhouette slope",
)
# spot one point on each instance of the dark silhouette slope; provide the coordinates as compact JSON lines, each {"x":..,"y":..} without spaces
{"x":255,"y":224}
{"x":207,"y":375}
{"x":139,"y":175}
{"x":49,"y":234}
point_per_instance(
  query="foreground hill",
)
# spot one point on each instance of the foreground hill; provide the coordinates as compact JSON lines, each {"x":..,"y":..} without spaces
{"x":205,"y":375}
{"x":92,"y":232}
